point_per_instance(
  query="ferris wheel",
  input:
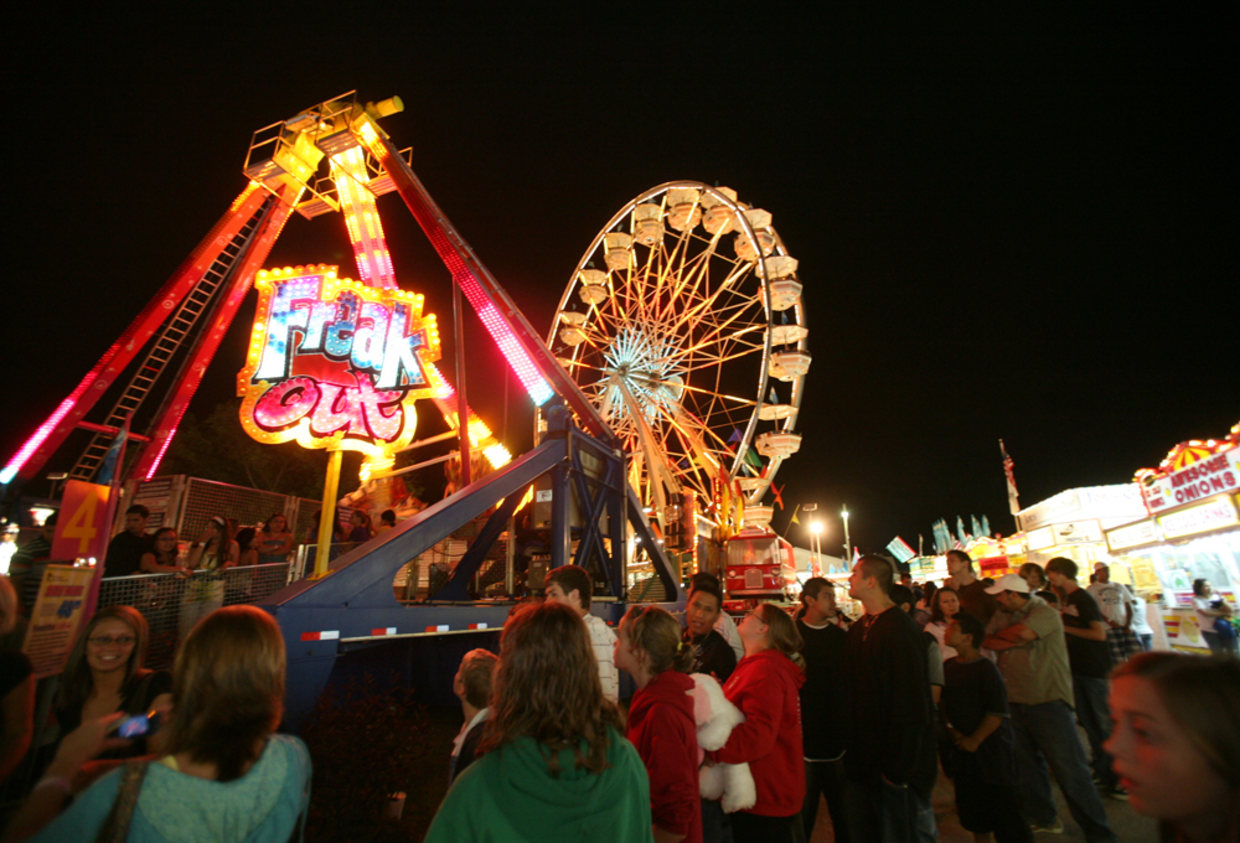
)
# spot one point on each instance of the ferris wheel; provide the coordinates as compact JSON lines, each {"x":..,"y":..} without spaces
{"x":683,"y":322}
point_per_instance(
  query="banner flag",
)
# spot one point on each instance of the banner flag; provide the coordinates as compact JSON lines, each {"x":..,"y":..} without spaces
{"x":900,"y":549}
{"x":942,"y":536}
{"x":110,"y":466}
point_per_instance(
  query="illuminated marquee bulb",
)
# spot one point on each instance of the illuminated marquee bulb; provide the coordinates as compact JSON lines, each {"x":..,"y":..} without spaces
{"x":357,"y":203}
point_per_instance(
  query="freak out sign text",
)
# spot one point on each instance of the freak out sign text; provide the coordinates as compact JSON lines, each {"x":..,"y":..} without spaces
{"x":334,"y":363}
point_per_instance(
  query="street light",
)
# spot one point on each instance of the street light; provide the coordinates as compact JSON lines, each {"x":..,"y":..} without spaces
{"x":814,"y":529}
{"x":847,"y":543}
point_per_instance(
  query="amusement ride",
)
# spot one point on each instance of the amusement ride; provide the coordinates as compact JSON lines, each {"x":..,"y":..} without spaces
{"x":670,"y":381}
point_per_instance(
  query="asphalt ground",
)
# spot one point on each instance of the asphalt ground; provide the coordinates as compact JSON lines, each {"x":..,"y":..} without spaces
{"x":1128,"y":825}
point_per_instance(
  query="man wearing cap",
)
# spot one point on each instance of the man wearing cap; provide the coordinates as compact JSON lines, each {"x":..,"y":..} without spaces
{"x":1118,"y":609}
{"x":1028,"y":637}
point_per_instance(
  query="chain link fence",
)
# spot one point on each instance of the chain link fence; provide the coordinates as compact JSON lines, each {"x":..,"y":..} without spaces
{"x":172,"y":604}
{"x":187,"y":504}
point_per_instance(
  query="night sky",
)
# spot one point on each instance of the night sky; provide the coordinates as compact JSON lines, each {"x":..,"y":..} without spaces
{"x":1009,"y":223}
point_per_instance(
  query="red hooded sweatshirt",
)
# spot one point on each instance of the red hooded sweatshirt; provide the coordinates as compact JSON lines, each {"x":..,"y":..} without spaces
{"x":764,"y":687}
{"x":662,"y":728}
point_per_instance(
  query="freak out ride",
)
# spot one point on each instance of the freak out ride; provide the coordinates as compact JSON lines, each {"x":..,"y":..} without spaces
{"x":664,"y":392}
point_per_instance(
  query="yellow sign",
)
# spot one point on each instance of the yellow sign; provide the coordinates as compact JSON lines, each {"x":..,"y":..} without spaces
{"x":56,"y":616}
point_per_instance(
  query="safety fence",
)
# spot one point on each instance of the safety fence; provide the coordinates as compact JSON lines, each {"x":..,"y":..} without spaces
{"x":172,"y":603}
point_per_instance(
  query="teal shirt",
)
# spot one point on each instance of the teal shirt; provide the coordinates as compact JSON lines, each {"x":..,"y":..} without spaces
{"x":264,"y":804}
{"x":509,"y":795}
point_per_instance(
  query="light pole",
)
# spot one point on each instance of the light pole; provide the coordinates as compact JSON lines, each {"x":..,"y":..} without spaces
{"x":815,"y":530}
{"x":847,"y":543}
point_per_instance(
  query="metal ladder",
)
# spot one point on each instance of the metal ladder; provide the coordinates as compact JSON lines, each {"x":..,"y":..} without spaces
{"x":170,"y":340}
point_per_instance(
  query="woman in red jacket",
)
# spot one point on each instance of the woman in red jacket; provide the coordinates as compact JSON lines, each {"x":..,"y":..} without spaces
{"x":661,"y":725}
{"x":764,"y":687}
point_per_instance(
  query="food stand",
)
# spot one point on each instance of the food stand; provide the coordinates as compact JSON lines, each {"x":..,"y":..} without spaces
{"x":1072,"y":524}
{"x":1190,"y":530}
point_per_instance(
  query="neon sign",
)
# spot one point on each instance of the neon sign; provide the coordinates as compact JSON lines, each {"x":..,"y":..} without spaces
{"x":336,"y":364}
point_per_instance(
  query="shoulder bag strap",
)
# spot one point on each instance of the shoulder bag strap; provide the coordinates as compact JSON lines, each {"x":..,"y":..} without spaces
{"x":116,"y":827}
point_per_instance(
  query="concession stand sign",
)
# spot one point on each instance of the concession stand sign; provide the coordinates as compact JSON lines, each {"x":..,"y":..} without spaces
{"x":1216,"y":474}
{"x":1216,"y":514}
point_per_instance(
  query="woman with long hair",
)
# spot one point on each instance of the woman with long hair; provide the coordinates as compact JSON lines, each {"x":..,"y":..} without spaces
{"x":247,"y":543}
{"x":104,"y":674}
{"x":944,"y":607}
{"x":1175,"y":744}
{"x":764,"y":687}
{"x":275,"y":541}
{"x":555,"y":765}
{"x":224,"y":774}
{"x":164,"y":554}
{"x":215,"y":550}
{"x":650,"y":648}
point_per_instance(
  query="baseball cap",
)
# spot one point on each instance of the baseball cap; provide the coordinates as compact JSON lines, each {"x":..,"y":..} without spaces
{"x":1009,"y":582}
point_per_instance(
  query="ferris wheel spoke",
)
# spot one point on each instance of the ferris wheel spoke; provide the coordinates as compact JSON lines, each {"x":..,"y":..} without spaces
{"x":724,"y":287}
{"x":691,"y":277}
{"x":713,"y":348}
{"x":714,"y":360}
{"x":655,"y":464}
{"x":735,"y":400}
{"x":729,"y":340}
{"x":709,"y":455}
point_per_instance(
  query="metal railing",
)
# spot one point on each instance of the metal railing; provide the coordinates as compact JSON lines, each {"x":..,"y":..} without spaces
{"x":172,"y":604}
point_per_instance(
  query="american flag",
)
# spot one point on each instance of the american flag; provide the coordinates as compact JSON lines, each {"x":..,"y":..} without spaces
{"x":1009,"y":472}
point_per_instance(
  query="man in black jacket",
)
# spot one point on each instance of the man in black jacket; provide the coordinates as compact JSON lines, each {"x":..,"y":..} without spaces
{"x":824,"y":710}
{"x":891,"y":752}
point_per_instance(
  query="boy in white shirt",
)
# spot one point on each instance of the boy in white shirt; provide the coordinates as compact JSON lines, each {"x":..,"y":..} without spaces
{"x":570,"y":585}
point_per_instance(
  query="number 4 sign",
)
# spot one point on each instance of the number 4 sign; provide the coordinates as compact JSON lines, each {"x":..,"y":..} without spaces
{"x":82,"y":528}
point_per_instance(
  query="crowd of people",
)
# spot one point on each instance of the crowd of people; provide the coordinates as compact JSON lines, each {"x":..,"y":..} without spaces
{"x":733,"y":731}
{"x":863,"y":714}
{"x":191,"y":755}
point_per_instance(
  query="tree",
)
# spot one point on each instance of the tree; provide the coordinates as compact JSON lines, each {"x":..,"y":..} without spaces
{"x":217,"y":448}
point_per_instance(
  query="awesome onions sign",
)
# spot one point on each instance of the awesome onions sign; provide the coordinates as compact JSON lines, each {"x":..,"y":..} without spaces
{"x":1215,"y":474}
{"x":336,"y":364}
